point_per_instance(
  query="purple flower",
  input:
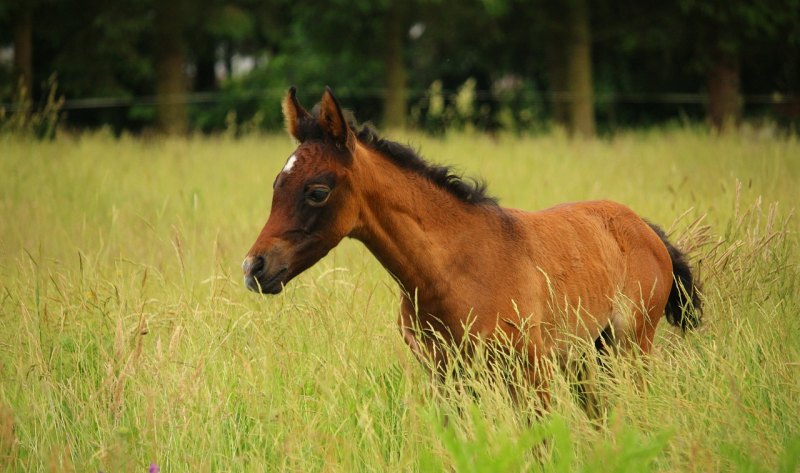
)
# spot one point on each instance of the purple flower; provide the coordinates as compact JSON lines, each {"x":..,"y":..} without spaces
{"x":153,"y":468}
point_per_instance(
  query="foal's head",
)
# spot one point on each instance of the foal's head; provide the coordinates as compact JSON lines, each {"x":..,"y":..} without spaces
{"x":312,"y":204}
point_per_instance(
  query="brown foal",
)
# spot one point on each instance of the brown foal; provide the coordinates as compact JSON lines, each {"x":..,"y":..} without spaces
{"x":466,"y":266}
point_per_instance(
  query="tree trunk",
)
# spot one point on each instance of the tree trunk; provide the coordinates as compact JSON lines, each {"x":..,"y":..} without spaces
{"x":557,"y":78}
{"x":724,"y":103}
{"x":579,"y":70}
{"x":23,"y":48}
{"x":555,"y":59}
{"x":171,"y":80}
{"x":394,"y":105}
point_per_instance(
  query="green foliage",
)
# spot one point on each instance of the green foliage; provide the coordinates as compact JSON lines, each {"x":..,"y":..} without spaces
{"x":513,"y":50}
{"x":232,"y":22}
{"x":547,"y":447}
{"x":483,"y":452}
{"x":518,"y":108}
{"x":788,"y":462}
{"x":25,"y":120}
{"x":250,"y":101}
{"x":630,"y":451}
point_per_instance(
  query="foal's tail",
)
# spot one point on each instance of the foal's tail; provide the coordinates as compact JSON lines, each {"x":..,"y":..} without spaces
{"x":684,"y":307}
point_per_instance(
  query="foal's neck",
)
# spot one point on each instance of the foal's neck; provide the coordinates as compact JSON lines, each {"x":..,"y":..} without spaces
{"x":421,"y":233}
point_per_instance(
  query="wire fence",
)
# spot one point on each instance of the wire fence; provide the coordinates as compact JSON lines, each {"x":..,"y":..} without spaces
{"x":217,"y":97}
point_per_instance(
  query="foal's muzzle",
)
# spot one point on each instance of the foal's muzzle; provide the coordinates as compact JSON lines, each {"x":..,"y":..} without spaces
{"x":259,"y":277}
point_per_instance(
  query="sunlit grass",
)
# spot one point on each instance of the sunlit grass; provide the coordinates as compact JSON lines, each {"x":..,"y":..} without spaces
{"x":127,"y":337}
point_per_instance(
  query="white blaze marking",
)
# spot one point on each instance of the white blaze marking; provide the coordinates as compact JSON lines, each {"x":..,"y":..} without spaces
{"x":289,"y":164}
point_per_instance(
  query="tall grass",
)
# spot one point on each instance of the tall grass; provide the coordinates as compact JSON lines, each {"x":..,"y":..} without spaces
{"x":127,"y":337}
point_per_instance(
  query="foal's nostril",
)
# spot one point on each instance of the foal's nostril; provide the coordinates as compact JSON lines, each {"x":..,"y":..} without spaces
{"x":253,"y":265}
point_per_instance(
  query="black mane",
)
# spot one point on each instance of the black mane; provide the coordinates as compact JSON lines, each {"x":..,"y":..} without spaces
{"x":467,"y":190}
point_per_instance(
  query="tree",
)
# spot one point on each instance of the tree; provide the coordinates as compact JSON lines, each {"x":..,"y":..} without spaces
{"x":342,"y":45}
{"x":722,"y":32}
{"x":579,"y":70}
{"x":171,"y":54}
{"x":93,"y":49}
{"x":395,"y":104}
{"x":555,"y":36}
{"x":23,"y":44}
{"x":21,"y":16}
{"x":511,"y":53}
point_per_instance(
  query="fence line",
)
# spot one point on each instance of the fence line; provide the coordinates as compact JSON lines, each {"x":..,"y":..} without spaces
{"x":194,"y":98}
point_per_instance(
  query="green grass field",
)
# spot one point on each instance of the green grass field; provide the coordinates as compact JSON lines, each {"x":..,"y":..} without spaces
{"x":127,"y":337}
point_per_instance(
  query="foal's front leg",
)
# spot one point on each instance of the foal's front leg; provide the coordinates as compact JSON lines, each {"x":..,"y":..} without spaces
{"x":425,"y":349}
{"x":539,"y":369}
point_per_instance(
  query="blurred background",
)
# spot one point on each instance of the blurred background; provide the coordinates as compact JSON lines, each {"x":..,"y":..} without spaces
{"x":589,"y":67}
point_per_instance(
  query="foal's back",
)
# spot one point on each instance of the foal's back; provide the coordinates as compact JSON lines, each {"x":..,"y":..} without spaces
{"x":595,"y":266}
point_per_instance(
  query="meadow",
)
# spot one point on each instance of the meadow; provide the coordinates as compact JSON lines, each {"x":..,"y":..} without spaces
{"x":127,"y":338}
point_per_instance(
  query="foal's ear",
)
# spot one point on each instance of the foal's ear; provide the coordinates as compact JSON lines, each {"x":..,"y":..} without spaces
{"x":293,"y":112}
{"x":332,"y":121}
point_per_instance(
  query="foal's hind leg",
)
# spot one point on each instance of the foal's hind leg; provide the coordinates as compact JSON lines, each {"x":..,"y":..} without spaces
{"x":632,"y":325}
{"x":587,"y":367}
{"x":640,"y":329}
{"x":619,"y":337}
{"x":637,"y":340}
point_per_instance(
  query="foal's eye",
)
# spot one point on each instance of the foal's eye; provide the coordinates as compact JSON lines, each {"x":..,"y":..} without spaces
{"x":317,"y":195}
